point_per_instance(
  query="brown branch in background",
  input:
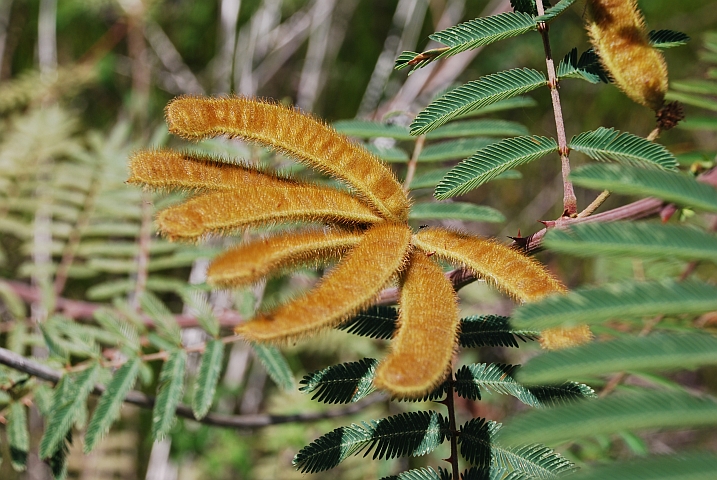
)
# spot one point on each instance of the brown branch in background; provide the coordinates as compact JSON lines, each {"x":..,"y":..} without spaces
{"x":31,"y":367}
{"x":570,"y":205}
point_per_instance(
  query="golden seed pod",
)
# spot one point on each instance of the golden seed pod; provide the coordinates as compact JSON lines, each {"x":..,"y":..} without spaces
{"x":617,"y":32}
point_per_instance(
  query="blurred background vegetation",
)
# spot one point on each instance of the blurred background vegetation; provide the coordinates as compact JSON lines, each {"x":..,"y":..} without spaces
{"x":83,"y":83}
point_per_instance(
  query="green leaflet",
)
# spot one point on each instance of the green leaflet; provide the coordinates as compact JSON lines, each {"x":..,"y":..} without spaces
{"x":618,"y":300}
{"x":694,"y":100}
{"x":475,"y":128}
{"x":642,"y":240}
{"x":196,"y":300}
{"x":374,"y":322}
{"x":700,"y":87}
{"x":332,"y":448}
{"x":275,"y":365}
{"x":388,"y":154}
{"x":491,"y":330}
{"x":368,"y":129}
{"x":453,"y":149}
{"x":699,"y":123}
{"x":610,"y":415}
{"x":489,"y":162}
{"x":667,"y":39}
{"x":169,"y":393}
{"x":114,"y":288}
{"x":587,"y":68}
{"x":125,"y":331}
{"x":507,"y":104}
{"x":68,"y":400}
{"x":455,"y":211}
{"x":552,"y":13}
{"x":426,"y":473}
{"x":476,"y":94}
{"x":694,"y":466}
{"x":108,"y":408}
{"x":18,"y":436}
{"x":528,"y":6}
{"x":209,"y":370}
{"x":431,"y":178}
{"x":605,"y":144}
{"x":343,"y":383}
{"x":164,"y":321}
{"x":656,"y":352}
{"x":673,"y":187}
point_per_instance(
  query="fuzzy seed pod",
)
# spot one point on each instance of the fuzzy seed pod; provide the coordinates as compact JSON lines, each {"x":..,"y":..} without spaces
{"x":617,"y":32}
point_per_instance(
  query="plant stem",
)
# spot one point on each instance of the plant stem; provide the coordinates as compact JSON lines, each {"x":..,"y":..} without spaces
{"x":451,"y":407}
{"x":411,"y":168}
{"x":595,"y":205}
{"x":570,"y":204}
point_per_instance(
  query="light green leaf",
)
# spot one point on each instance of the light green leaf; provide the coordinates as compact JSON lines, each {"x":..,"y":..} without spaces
{"x":453,"y":149}
{"x":455,"y":211}
{"x":110,"y":403}
{"x":388,"y":154}
{"x":431,"y":178}
{"x":475,"y":128}
{"x":699,"y":123}
{"x":605,"y":144}
{"x":169,"y":393}
{"x":369,"y":129}
{"x":275,"y":365}
{"x":618,"y":300}
{"x":657,"y":352}
{"x":426,"y":473}
{"x":489,"y":162}
{"x":18,"y":436}
{"x":583,"y":68}
{"x":507,"y":104}
{"x":694,"y":466}
{"x":476,"y":94}
{"x":673,"y":187}
{"x":664,"y":39}
{"x":164,"y":321}
{"x":642,"y":240}
{"x":195,"y":299}
{"x":694,"y":100}
{"x":206,"y":385}
{"x":610,"y":415}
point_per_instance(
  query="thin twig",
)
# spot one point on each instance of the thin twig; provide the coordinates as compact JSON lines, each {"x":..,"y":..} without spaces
{"x":595,"y":205}
{"x":449,"y":402}
{"x":411,"y":167}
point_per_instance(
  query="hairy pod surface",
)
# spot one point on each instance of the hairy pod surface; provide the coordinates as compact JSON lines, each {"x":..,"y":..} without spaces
{"x":301,"y":136}
{"x":350,"y":287}
{"x":617,"y":32}
{"x":251,"y":206}
{"x":251,"y":261}
{"x":421,"y":350}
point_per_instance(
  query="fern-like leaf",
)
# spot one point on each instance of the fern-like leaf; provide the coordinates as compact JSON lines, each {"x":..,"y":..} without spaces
{"x":169,"y":393}
{"x":108,"y":408}
{"x":657,"y":352}
{"x":476,"y":439}
{"x":209,"y":370}
{"x":344,"y":383}
{"x":664,"y":39}
{"x":489,"y":162}
{"x":610,"y":415}
{"x":694,"y":466}
{"x":475,"y":128}
{"x":642,"y":240}
{"x":430,"y":179}
{"x":476,"y":94}
{"x":669,"y":186}
{"x":492,"y":330}
{"x":196,"y":300}
{"x":276,"y":365}
{"x":375,"y":322}
{"x":69,"y":399}
{"x":18,"y":436}
{"x":426,"y":473}
{"x":552,"y":13}
{"x":584,"y":67}
{"x":618,"y":300}
{"x":58,"y":460}
{"x":410,"y":433}
{"x":167,"y":326}
{"x":453,"y":149}
{"x":368,"y":129}
{"x":535,"y":461}
{"x":455,"y":211}
{"x":605,"y":144}
{"x":331,"y":449}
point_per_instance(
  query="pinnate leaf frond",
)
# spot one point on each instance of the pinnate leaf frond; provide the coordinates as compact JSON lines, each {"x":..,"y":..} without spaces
{"x":619,"y":300}
{"x":169,"y":393}
{"x":673,"y":187}
{"x":455,"y":211}
{"x":664,"y":39}
{"x":249,"y":262}
{"x":528,"y":6}
{"x":426,"y":473}
{"x":642,"y":240}
{"x":164,"y":321}
{"x":605,"y":144}
{"x":343,"y":383}
{"x":553,"y":12}
{"x":476,"y":94}
{"x":653,"y":353}
{"x":330,"y":449}
{"x":375,"y":322}
{"x":698,"y":466}
{"x":276,"y":365}
{"x":18,"y":436}
{"x":492,"y":330}
{"x":587,"y":67}
{"x":210,"y":368}
{"x":300,"y":136}
{"x":491,"y":161}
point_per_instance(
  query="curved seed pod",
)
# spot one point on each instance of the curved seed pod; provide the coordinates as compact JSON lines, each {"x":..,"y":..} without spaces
{"x":301,"y":136}
{"x":617,"y":32}
{"x":252,"y":206}
{"x":171,"y":169}
{"x":351,"y":286}
{"x":250,"y":262}
{"x":423,"y":346}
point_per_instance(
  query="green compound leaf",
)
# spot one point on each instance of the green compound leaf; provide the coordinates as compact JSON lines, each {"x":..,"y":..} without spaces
{"x":18,"y":436}
{"x":507,"y":104}
{"x":528,"y":6}
{"x":276,"y":365}
{"x":605,"y":144}
{"x":642,"y":240}
{"x":491,"y":330}
{"x":431,"y":178}
{"x":196,"y":300}
{"x":673,"y":187}
{"x":552,"y":13}
{"x":618,"y":300}
{"x":58,"y":460}
{"x":694,"y":466}
{"x":108,"y":408}
{"x":68,"y":401}
{"x":489,"y":162}
{"x":453,"y":149}
{"x":344,"y":383}
{"x":476,"y":128}
{"x":169,"y":393}
{"x":610,"y":415}
{"x":426,"y":473}
{"x":387,"y":154}
{"x":167,"y":326}
{"x":667,"y":39}
{"x":476,"y":94}
{"x":374,"y":322}
{"x":412,"y":433}
{"x":656,"y":352}
{"x":584,"y":68}
{"x":369,"y":129}
{"x":210,"y":369}
{"x":455,"y":211}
